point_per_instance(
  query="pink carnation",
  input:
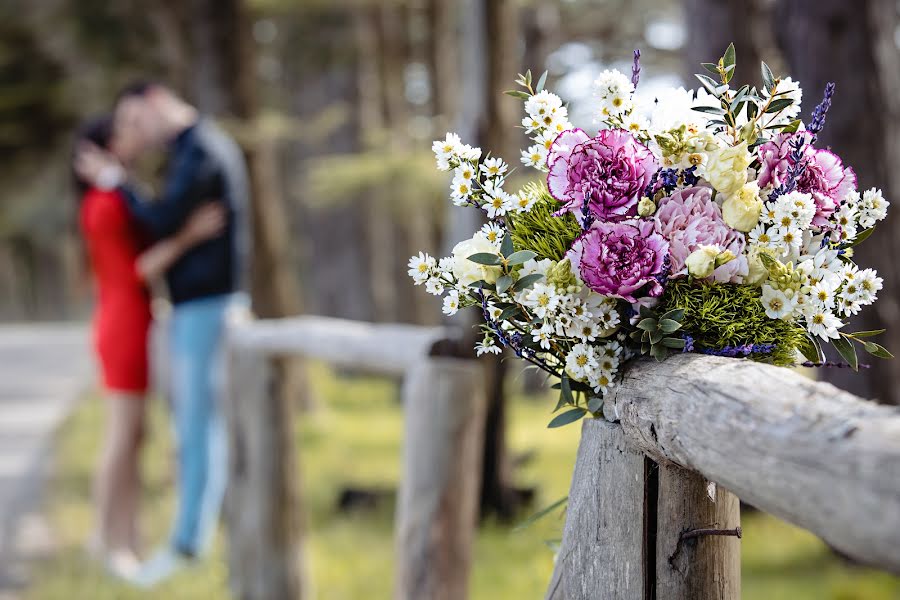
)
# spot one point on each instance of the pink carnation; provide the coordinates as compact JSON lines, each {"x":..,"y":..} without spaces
{"x":688,"y":219}
{"x":624,"y":259}
{"x":825,"y":177}
{"x":610,"y":170}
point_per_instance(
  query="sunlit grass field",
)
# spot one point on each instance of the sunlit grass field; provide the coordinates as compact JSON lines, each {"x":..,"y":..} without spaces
{"x":354,"y":438}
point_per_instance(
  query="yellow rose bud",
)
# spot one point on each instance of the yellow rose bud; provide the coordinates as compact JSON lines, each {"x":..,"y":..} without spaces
{"x":646,"y":207}
{"x":741,"y":211}
{"x":727,"y":168}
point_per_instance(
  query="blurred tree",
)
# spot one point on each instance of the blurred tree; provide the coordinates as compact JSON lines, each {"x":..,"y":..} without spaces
{"x":713,"y":24}
{"x":854,"y":44}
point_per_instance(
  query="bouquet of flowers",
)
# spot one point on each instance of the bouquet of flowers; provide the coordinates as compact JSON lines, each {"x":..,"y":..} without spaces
{"x":696,"y":221}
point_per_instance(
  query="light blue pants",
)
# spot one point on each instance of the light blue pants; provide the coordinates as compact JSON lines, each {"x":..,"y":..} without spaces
{"x":197,"y":335}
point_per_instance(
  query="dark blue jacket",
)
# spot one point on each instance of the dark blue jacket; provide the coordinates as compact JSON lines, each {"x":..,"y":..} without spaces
{"x":204,"y":164}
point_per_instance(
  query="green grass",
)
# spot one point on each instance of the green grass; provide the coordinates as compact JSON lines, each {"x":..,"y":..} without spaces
{"x":354,"y":438}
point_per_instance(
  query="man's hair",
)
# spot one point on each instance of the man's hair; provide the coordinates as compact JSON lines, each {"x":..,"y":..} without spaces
{"x":138,"y":87}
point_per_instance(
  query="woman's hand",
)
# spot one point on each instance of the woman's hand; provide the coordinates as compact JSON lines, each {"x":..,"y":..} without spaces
{"x":206,"y":222}
{"x":98,"y":167}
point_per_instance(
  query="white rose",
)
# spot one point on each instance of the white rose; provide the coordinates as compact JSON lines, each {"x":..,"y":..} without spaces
{"x":741,"y":210}
{"x":468,"y":272}
{"x":727,"y":168}
{"x":704,"y":260}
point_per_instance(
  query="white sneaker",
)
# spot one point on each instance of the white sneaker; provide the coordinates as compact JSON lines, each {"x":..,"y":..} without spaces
{"x":123,"y":564}
{"x":163,"y":565}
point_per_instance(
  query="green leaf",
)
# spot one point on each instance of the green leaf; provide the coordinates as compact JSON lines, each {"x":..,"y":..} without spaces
{"x":877,"y":350}
{"x":541,"y":82}
{"x":669,"y":325}
{"x":676,"y":314}
{"x":526,"y":282}
{"x":648,"y":324}
{"x":655,"y":337}
{"x":485,"y":258}
{"x":481,"y":284}
{"x":711,"y":67}
{"x":570,"y":416}
{"x":767,"y":77}
{"x":659,"y":352}
{"x":565,"y":390}
{"x":508,"y":313}
{"x":811,"y":350}
{"x":506,"y":246}
{"x":861,"y":237}
{"x":752,"y":110}
{"x":847,"y":351}
{"x":540,"y":514}
{"x":503,"y":283}
{"x":728,"y":61}
{"x":709,"y":83}
{"x":710,"y":110}
{"x":870,"y":333}
{"x":520,"y":257}
{"x":737,"y":99}
{"x":674,"y":343}
{"x":779,"y":105}
{"x":595,"y":403}
{"x":518,"y":94}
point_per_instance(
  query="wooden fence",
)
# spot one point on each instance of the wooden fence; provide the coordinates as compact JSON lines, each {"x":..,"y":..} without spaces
{"x":643,"y":519}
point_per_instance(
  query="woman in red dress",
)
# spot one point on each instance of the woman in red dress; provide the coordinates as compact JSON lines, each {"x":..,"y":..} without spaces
{"x":122,"y":263}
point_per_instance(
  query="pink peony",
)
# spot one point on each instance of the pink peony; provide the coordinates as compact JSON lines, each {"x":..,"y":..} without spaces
{"x":624,"y":259}
{"x":825,"y":177}
{"x":688,"y":219}
{"x":611,"y":170}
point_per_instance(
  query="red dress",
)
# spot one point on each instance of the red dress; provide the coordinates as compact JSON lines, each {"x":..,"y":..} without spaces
{"x":122,"y":317}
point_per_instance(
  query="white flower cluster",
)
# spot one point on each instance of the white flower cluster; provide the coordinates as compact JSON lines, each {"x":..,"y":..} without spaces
{"x":546,"y":118}
{"x":597,"y":365}
{"x":614,"y":90}
{"x":826,"y":286}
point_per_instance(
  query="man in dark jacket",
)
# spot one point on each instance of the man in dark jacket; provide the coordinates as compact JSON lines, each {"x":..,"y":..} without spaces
{"x":203,"y":285}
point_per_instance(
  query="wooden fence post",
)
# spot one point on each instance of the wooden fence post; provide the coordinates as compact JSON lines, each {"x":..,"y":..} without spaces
{"x":262,"y":515}
{"x":602,"y":552}
{"x":437,"y":507}
{"x":693,"y":562}
{"x":636,"y":530}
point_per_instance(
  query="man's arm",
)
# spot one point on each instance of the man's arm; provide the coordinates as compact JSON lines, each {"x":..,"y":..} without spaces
{"x":164,"y":216}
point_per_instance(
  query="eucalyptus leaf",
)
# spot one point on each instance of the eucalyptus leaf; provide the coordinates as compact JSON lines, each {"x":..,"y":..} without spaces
{"x":676,"y":314}
{"x":570,"y":416}
{"x":504,"y":282}
{"x":659,"y":352}
{"x":674,"y":343}
{"x":485,"y":258}
{"x":506,"y":246}
{"x":508,"y":313}
{"x":520,"y":257}
{"x":711,"y":67}
{"x":648,"y":324}
{"x":709,"y":83}
{"x":656,"y":337}
{"x":565,"y":388}
{"x":595,"y":403}
{"x":846,"y":349}
{"x":711,"y":110}
{"x":811,"y":350}
{"x":526,"y":281}
{"x":728,"y":60}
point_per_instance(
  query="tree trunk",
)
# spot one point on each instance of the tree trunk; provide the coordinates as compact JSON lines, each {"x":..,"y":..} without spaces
{"x":713,"y":24}
{"x":852,"y":44}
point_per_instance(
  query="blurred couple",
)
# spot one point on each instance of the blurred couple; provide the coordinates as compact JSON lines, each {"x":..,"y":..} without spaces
{"x":195,"y":236}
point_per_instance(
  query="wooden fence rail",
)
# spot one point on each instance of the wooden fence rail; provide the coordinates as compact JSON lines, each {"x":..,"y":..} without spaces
{"x":438,"y":496}
{"x":643,"y":519}
{"x":804,"y":451}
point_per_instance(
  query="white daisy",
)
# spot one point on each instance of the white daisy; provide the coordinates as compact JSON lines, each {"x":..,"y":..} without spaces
{"x":451,"y":303}
{"x":776,"y":303}
{"x":420,"y":267}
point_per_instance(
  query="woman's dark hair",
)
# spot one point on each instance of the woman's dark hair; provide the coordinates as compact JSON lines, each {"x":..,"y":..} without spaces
{"x":97,"y":130}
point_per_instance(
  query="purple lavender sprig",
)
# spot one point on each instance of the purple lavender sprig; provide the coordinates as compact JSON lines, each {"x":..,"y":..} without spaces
{"x":818,"y":115}
{"x":513,"y":341}
{"x":743,"y":350}
{"x":588,"y":217}
{"x":636,"y":68}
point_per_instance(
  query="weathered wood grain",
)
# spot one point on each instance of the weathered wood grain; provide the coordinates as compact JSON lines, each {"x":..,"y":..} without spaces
{"x":807,"y":452}
{"x":437,"y":507}
{"x":388,"y":348}
{"x":602,"y":552}
{"x":695,"y":567}
{"x":262,"y":512}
